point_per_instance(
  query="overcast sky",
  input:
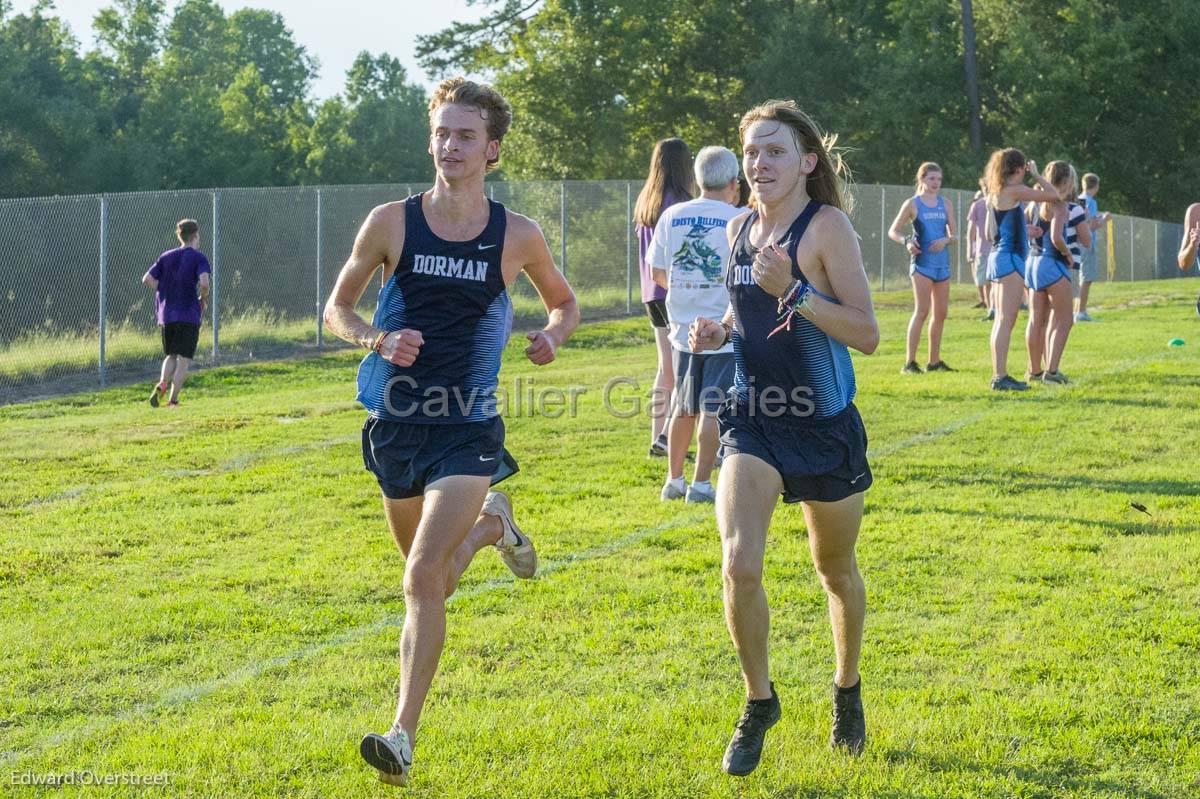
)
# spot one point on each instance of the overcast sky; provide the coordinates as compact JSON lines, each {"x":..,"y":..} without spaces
{"x":332,"y":30}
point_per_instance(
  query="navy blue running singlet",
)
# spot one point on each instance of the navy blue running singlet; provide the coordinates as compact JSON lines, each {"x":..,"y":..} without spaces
{"x":804,"y":359}
{"x":453,"y":292}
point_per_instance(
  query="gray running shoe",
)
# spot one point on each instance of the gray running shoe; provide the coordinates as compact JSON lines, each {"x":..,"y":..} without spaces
{"x":671,"y":491}
{"x":911,"y":368}
{"x":1033,"y":377}
{"x":697,"y":494}
{"x":940,"y":366}
{"x":1007,"y":383}
{"x":1055,"y":377}
{"x":390,"y":753}
{"x":515,"y":548}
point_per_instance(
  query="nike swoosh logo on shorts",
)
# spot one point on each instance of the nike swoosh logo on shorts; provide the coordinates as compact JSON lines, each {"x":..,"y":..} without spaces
{"x":856,"y":479}
{"x":486,"y":246}
{"x":485,"y":460}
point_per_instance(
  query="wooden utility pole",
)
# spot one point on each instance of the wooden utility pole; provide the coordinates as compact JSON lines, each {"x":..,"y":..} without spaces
{"x":972,"y":74}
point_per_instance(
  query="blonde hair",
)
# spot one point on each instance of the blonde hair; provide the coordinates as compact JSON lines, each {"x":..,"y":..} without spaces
{"x":670,"y":172}
{"x":923,"y":170}
{"x":829,"y":182}
{"x":492,"y":106}
{"x":1058,"y":173}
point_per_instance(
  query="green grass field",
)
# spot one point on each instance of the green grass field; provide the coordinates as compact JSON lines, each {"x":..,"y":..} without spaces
{"x":211,"y":593}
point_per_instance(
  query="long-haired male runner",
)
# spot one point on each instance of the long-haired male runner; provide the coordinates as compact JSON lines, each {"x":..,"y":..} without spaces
{"x":433,"y":437}
{"x":790,"y":426}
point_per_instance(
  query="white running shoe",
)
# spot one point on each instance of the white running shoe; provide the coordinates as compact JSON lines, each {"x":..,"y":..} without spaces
{"x":697,"y":493}
{"x":515,"y":548}
{"x":390,"y":753}
{"x":671,"y":490}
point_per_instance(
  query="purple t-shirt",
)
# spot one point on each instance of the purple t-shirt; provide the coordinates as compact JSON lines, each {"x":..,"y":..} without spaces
{"x":978,"y":215}
{"x":650,"y":289}
{"x":178,"y":274}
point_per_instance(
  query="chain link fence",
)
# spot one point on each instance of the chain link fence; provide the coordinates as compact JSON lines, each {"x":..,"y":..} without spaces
{"x":74,"y":314}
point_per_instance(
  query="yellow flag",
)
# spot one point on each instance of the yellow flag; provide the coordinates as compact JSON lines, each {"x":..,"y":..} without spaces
{"x":1112,"y":254}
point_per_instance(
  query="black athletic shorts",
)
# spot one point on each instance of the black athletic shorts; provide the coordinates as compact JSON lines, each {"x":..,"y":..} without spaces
{"x":406,"y":458}
{"x":820,"y":460}
{"x":180,"y":338}
{"x":657,"y":309}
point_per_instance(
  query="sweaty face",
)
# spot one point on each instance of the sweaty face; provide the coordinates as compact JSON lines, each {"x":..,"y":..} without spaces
{"x":458,"y":141}
{"x":772,"y":160}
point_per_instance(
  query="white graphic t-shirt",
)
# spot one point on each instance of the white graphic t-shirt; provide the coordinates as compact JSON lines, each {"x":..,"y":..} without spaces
{"x":690,"y":244}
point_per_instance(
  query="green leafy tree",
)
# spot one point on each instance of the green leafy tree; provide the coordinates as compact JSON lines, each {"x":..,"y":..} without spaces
{"x":49,"y":113}
{"x":378,"y":132}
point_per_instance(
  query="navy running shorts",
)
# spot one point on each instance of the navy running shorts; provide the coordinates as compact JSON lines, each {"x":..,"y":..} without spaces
{"x":820,"y":460}
{"x":406,"y":458}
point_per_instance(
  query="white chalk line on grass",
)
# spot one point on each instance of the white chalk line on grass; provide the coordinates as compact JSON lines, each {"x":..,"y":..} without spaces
{"x":191,"y":693}
{"x":231,"y":465}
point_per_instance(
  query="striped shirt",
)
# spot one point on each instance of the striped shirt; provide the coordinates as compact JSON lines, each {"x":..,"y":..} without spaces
{"x":1076,"y":215}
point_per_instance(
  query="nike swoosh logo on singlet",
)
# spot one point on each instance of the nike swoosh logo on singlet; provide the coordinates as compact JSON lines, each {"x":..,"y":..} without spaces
{"x":486,"y":246}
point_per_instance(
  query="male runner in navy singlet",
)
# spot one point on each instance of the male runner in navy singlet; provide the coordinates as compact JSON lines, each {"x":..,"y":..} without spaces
{"x":434,"y":438}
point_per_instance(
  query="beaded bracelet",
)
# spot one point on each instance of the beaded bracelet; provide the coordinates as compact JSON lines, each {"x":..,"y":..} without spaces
{"x":796,"y":299}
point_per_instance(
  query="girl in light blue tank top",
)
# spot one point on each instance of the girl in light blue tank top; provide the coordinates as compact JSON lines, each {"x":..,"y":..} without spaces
{"x":932,"y":219}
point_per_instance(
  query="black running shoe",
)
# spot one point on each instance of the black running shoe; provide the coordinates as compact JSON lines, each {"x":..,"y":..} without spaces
{"x":911,"y":368}
{"x":659,"y":448}
{"x":849,"y":726}
{"x":940,"y":366}
{"x":745,"y":748}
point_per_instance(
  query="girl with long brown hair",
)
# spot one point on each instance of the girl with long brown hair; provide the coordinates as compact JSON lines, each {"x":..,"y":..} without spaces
{"x":670,"y":181}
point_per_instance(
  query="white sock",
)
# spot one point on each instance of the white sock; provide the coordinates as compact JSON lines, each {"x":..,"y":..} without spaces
{"x":677,"y":483}
{"x":703,"y":484}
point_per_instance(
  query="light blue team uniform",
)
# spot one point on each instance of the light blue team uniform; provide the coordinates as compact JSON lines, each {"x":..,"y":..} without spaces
{"x":929,"y":225}
{"x":1046,"y":265}
{"x":1010,"y":245}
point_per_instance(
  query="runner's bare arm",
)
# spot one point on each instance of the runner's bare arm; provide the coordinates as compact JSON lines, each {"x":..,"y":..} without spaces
{"x":561,"y":308}
{"x":850,"y":320}
{"x":903,"y":217}
{"x":1191,"y":237}
{"x":1083,"y":232}
{"x":374,"y":246}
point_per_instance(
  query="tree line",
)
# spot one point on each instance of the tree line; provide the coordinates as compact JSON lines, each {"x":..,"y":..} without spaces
{"x":192,"y":99}
{"x":201,"y":98}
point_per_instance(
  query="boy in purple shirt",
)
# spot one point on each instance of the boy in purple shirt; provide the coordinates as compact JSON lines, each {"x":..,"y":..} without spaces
{"x":180,"y":280}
